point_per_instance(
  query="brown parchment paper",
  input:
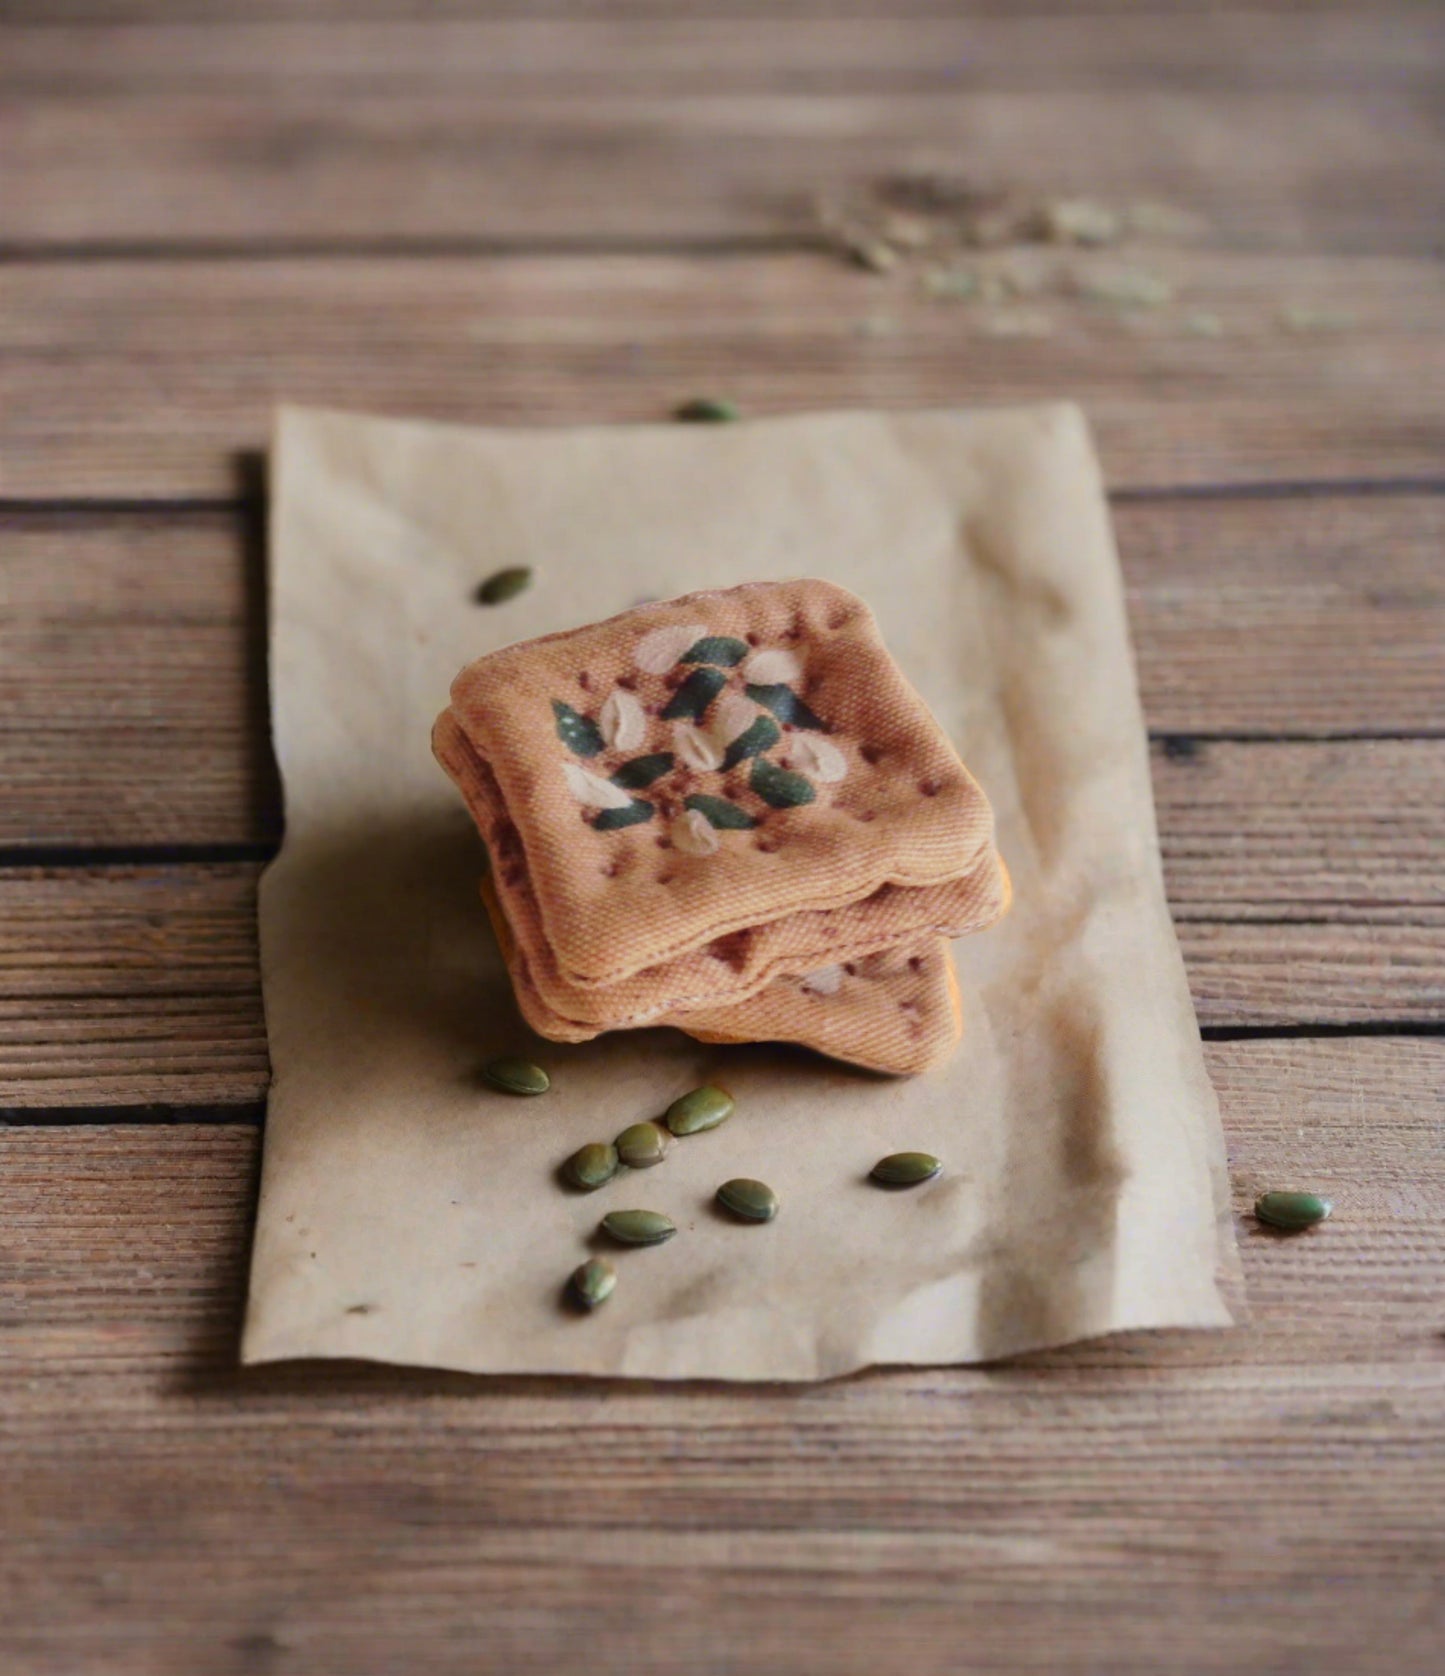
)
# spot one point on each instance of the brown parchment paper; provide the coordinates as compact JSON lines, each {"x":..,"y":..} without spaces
{"x":408,"y":1215}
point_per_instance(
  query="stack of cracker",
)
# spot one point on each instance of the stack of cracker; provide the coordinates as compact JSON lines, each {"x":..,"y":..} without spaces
{"x":729,"y":813}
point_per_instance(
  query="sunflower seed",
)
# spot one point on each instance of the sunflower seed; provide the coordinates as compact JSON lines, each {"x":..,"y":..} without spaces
{"x":516,"y":1076}
{"x":505,"y":585}
{"x":906,"y":1169}
{"x":592,"y":1166}
{"x":703,"y":1108}
{"x":638,"y":1227}
{"x":593,"y":1283}
{"x":641,"y":1145}
{"x":753,"y":1201}
{"x":1292,"y":1211}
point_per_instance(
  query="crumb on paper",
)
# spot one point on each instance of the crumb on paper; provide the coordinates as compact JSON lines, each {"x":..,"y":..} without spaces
{"x":1298,"y":317}
{"x":878,"y":326}
{"x":361,"y":1309}
{"x":954,"y":283}
{"x":1204,"y":325}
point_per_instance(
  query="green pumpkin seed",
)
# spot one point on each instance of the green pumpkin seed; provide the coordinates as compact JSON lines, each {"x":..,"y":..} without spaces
{"x":707,"y":410}
{"x":786,"y":705}
{"x":593,"y":1283}
{"x":641,"y":1145}
{"x":505,"y":585}
{"x":779,"y":787}
{"x":1292,"y":1211}
{"x":720,"y":649}
{"x":577,"y":732}
{"x":720,"y":813}
{"x":753,"y":1201}
{"x":757,"y":737}
{"x":906,"y":1169}
{"x":592,"y":1166}
{"x":642,"y":771}
{"x":610,"y":820}
{"x":689,"y":703}
{"x":638,"y":1227}
{"x":703,"y":1108}
{"x":516,"y":1076}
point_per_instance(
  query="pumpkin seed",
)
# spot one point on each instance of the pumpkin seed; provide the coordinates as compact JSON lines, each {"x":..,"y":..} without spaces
{"x":505,"y":585}
{"x":761,"y":736}
{"x":610,"y":820}
{"x":778,"y":787}
{"x":638,"y":1227}
{"x":753,"y":1201}
{"x":1292,"y":1211}
{"x":707,"y":410}
{"x":720,"y":649}
{"x":516,"y":1076}
{"x":785,"y":705}
{"x":592,"y":1166}
{"x":642,"y":771}
{"x":718,"y":812}
{"x":641,"y":1145}
{"x":593,"y":1283}
{"x":690,"y":701}
{"x":906,"y":1169}
{"x":577,"y":732}
{"x":703,"y":1108}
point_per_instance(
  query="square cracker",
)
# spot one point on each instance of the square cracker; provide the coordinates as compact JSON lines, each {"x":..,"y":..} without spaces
{"x":860,"y":789}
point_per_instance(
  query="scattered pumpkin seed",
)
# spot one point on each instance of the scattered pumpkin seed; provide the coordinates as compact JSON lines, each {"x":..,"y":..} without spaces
{"x":638,"y":1227}
{"x":505,"y":585}
{"x":703,"y":1108}
{"x":1292,"y":1211}
{"x":593,"y":1283}
{"x":906,"y":1169}
{"x":592,"y":1166}
{"x":707,"y":410}
{"x":753,"y":1201}
{"x":516,"y":1076}
{"x":641,"y":1145}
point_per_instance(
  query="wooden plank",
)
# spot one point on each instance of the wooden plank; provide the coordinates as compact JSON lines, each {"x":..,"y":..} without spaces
{"x":110,"y":13}
{"x":148,"y":379}
{"x":1308,"y":882}
{"x":1352,"y":172}
{"x":132,"y":682}
{"x":1081,"y":1511}
{"x":682,"y":51}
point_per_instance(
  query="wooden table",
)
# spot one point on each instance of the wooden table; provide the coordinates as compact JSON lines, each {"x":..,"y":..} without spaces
{"x":591,"y":209}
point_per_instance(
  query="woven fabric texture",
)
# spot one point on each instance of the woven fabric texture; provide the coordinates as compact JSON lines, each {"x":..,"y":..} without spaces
{"x":727,"y":970}
{"x":897,"y":1011}
{"x":697,"y":768}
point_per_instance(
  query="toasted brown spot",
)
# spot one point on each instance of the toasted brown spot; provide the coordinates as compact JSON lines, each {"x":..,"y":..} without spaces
{"x":915,"y":963}
{"x":850,"y":968}
{"x":870,"y":754}
{"x":930,"y":788}
{"x":866,"y":815}
{"x":837,"y":619}
{"x":767,"y":846}
{"x":666,"y":878}
{"x":584,"y":680}
{"x":663,"y":842}
{"x":752,"y":640}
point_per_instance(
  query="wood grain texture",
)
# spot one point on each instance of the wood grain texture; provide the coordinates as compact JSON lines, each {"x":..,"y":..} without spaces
{"x":1283,"y":131}
{"x":149,"y":379}
{"x":1308,"y":882}
{"x":1264,"y":1498}
{"x":133,"y":702}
